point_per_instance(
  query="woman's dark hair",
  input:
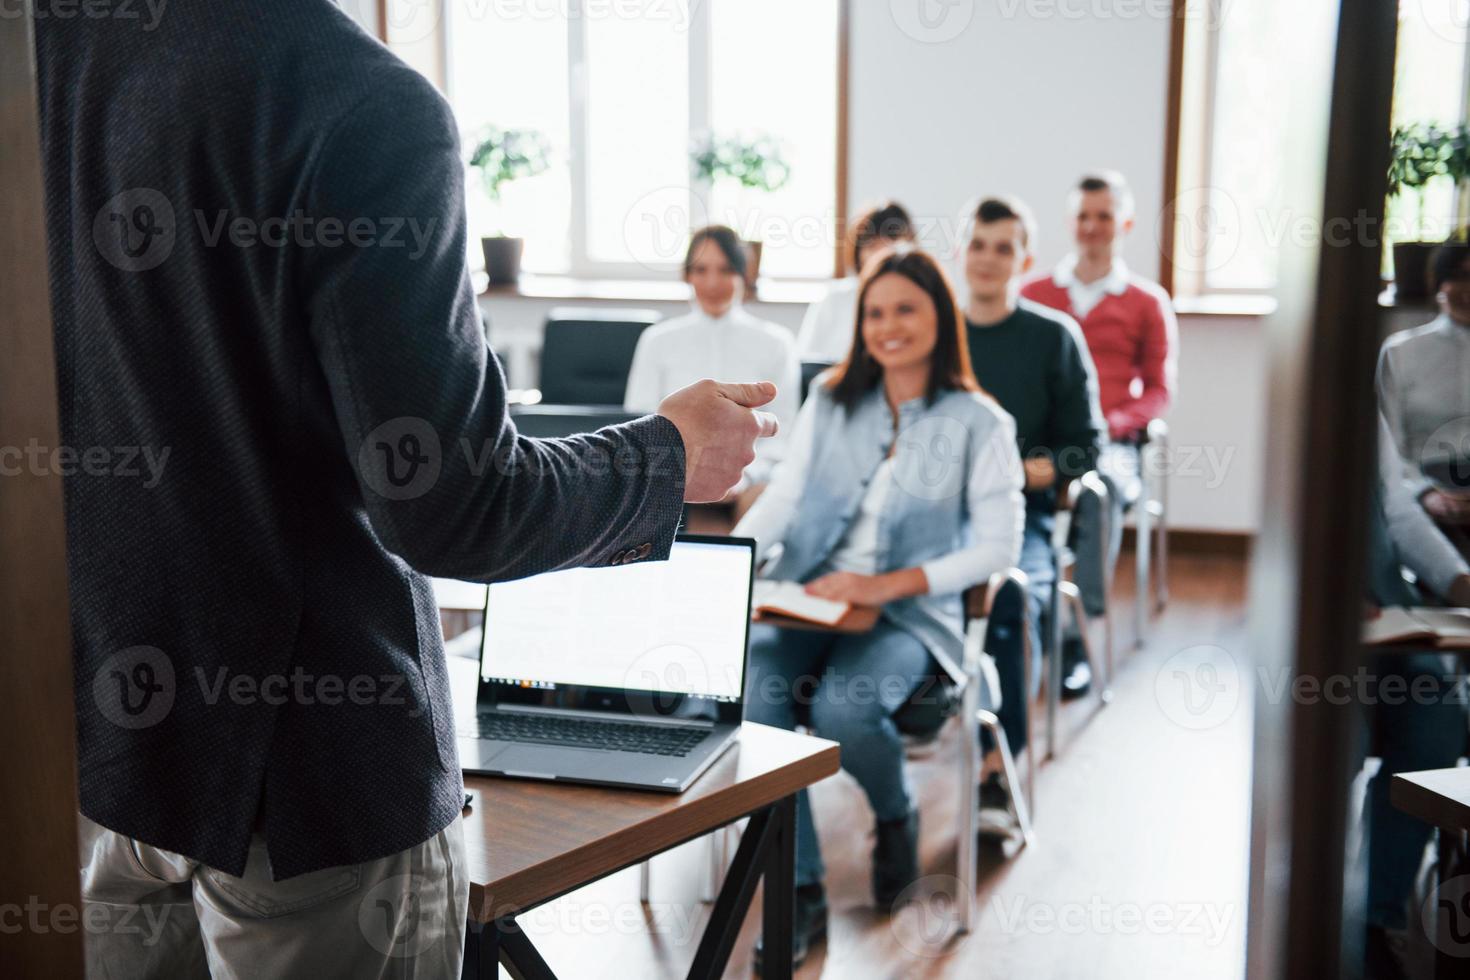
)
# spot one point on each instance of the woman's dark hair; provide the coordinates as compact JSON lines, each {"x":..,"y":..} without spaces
{"x":949,"y":363}
{"x":729,"y":245}
{"x":1449,"y":262}
{"x":886,"y":220}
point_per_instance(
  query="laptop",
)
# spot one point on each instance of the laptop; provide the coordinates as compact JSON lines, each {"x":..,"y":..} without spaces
{"x":629,"y":675}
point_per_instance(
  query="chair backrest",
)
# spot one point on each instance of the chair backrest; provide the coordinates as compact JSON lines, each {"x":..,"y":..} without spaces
{"x":555,"y":421}
{"x":809,"y":372}
{"x":586,"y":354}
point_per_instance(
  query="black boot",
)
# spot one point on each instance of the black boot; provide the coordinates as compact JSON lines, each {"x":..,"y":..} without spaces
{"x":808,"y":929}
{"x":895,"y":859}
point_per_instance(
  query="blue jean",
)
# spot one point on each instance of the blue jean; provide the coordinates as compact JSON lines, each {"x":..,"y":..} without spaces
{"x":1424,"y":732}
{"x":846,"y":687}
{"x":1003,"y":637}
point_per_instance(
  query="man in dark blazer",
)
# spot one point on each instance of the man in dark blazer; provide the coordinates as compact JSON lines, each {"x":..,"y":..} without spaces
{"x":257,"y":253}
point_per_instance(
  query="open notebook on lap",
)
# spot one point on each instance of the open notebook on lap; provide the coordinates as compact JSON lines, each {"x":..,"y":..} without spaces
{"x":632,"y":675}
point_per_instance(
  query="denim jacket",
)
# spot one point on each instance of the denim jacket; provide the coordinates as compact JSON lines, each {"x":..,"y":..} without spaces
{"x":954,"y":505}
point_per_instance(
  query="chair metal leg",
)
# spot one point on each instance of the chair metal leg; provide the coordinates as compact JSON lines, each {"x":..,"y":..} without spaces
{"x":1079,"y":615}
{"x":1159,"y":443}
{"x":716,"y":860}
{"x":1017,"y":801}
{"x":1030,"y":749}
{"x":645,"y":880}
{"x":1054,"y":667}
{"x":969,"y":802}
{"x":1143,"y":543}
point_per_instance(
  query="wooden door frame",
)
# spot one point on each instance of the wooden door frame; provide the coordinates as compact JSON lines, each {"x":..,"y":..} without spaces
{"x":38,"y":767}
{"x":1307,"y":574}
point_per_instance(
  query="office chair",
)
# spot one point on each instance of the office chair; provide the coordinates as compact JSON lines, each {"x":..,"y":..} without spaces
{"x":933,"y":703}
{"x":586,"y":354}
{"x":1065,"y":597}
{"x":556,"y":421}
{"x":809,"y":372}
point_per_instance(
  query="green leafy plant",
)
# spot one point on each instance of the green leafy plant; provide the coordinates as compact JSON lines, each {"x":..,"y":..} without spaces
{"x":505,"y":155}
{"x":757,"y":162}
{"x":1423,"y":153}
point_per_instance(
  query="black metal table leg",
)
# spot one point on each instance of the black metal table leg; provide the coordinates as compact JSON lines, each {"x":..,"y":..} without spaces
{"x":767,"y":851}
{"x":778,"y":901}
{"x":518,"y":953}
{"x":481,"y":952}
{"x":752,"y":860}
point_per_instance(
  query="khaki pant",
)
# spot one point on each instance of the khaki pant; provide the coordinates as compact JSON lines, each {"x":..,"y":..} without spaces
{"x":153,"y":913}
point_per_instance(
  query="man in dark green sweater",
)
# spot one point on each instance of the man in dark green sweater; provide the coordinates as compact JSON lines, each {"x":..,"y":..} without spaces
{"x":1034,"y":361}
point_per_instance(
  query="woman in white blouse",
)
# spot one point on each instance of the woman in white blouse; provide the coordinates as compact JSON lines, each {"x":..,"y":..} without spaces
{"x":826,"y":330}
{"x":901,"y":488}
{"x":717,"y":338}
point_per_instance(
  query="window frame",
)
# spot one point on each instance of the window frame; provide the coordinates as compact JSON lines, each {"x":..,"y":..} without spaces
{"x":580,"y":263}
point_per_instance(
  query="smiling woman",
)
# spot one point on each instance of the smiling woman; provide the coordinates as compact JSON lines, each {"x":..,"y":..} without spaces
{"x":900,"y":488}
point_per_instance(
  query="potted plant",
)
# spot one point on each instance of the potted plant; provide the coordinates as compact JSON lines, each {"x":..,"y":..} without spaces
{"x":502,"y":156}
{"x":755,"y":163}
{"x":1422,"y":154}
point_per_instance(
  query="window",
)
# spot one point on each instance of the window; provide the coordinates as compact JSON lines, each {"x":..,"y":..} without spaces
{"x":622,"y":90}
{"x":1228,"y":221}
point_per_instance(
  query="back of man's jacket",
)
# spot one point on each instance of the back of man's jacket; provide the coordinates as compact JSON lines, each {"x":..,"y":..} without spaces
{"x":279,"y":411}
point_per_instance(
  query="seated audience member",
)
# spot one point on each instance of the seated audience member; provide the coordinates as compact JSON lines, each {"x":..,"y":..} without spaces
{"x":1033,"y":361}
{"x":717,"y":339}
{"x":901,"y":487}
{"x":1425,"y":731}
{"x":1425,"y":395}
{"x":1129,"y":326}
{"x":826,"y":331}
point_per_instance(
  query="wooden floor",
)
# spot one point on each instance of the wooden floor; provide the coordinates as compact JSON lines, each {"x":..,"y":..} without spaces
{"x":1139,"y":869}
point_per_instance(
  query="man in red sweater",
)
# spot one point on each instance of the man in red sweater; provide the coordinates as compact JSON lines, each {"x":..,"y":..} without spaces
{"x":1129,"y":325}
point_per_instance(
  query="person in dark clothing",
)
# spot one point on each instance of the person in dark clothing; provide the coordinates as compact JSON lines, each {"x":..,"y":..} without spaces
{"x":256,"y":240}
{"x":1034,"y":361}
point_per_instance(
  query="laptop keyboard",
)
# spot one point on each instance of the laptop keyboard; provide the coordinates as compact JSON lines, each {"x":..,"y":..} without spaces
{"x":614,"y":736}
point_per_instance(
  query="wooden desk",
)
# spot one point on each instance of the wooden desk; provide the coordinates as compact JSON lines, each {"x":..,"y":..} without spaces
{"x":528,"y":843}
{"x":1441,"y":798}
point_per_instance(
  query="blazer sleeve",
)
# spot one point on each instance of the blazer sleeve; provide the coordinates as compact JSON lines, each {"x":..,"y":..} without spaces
{"x":445,"y":480}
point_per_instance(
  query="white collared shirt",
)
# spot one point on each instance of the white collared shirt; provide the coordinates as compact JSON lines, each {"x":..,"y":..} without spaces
{"x":826,"y":330}
{"x":734,"y":347}
{"x":1086,"y":295}
{"x":1424,"y":393}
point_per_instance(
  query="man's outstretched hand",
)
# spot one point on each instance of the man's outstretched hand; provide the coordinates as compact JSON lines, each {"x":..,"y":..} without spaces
{"x":719,"y":428}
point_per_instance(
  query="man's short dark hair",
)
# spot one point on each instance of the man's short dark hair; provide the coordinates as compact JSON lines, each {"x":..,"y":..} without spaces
{"x":994,"y":209}
{"x":1448,"y":262}
{"x":1113,"y":182}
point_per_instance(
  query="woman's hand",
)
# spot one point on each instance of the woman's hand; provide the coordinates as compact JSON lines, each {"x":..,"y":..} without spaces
{"x":860,"y":590}
{"x":869,"y":590}
{"x":1446,"y":508}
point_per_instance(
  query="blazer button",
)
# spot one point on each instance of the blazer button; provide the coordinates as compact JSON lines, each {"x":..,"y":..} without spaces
{"x":644,"y":550}
{"x":618,"y":558}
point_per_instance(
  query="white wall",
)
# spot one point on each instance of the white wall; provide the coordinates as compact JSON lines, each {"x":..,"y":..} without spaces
{"x":1018,"y":102}
{"x":1021,"y":101}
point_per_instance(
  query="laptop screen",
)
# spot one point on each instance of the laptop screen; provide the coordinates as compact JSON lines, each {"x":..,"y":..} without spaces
{"x":677,"y":627}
